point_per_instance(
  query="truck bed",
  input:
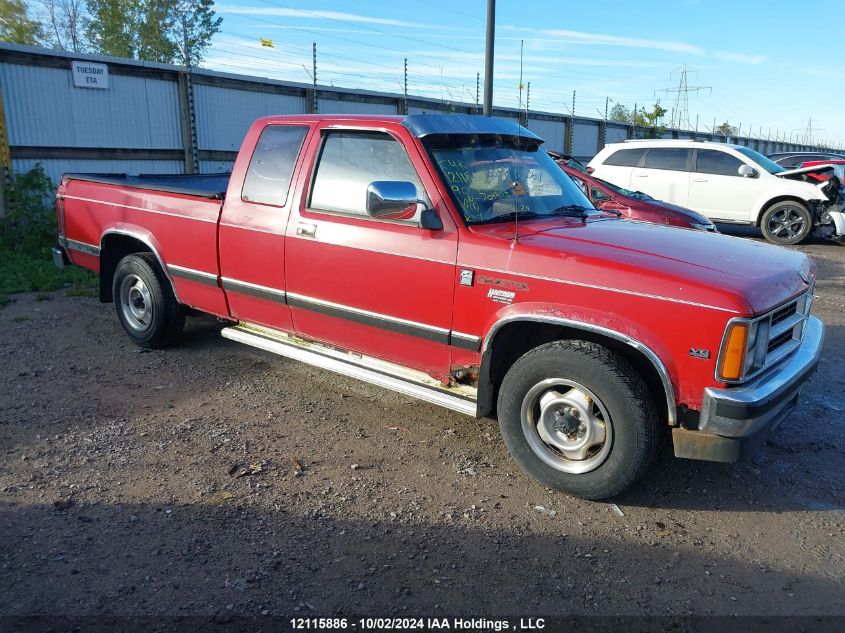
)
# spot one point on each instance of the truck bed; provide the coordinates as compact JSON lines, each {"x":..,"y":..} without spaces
{"x":200,"y":185}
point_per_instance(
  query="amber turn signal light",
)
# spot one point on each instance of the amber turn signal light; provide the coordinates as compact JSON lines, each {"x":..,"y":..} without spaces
{"x":733,"y":354}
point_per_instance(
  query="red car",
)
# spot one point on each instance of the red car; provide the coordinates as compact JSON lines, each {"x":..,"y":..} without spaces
{"x":448,"y":257}
{"x":837,"y":164}
{"x":633,"y":205}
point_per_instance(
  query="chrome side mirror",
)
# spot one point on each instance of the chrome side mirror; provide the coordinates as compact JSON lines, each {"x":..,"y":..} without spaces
{"x":397,"y":200}
{"x":747,"y":171}
{"x":391,"y":200}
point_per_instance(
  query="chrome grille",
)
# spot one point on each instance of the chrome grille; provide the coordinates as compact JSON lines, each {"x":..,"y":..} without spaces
{"x":771,"y":337}
{"x":779,"y":333}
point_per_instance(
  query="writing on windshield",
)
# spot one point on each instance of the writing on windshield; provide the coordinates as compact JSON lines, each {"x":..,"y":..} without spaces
{"x":500,"y":179}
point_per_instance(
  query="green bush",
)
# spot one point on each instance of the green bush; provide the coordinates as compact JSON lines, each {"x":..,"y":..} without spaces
{"x":29,"y":226}
{"x":27,"y":233}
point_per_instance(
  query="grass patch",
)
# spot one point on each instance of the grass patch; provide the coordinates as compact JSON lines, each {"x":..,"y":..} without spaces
{"x":22,"y":272}
{"x":20,"y":319}
{"x":4,"y":300}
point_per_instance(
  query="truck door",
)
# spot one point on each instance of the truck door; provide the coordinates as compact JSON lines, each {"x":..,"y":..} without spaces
{"x":383,"y":288}
{"x":252,"y":227}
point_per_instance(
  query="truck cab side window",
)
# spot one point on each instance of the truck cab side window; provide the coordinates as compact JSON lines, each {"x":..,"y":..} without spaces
{"x":268,"y":177}
{"x":350,"y":161}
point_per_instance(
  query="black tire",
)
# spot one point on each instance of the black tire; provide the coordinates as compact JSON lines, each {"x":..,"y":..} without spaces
{"x":144,"y":301}
{"x":786,"y":223}
{"x":611,"y":388}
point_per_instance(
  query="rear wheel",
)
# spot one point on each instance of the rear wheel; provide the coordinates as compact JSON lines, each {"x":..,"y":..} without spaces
{"x":145,"y":303}
{"x":578,"y":418}
{"x":786,"y":223}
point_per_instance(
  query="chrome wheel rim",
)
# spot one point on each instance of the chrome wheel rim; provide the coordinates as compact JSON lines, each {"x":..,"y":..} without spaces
{"x":566,"y":425}
{"x":136,"y":303}
{"x":786,"y":223}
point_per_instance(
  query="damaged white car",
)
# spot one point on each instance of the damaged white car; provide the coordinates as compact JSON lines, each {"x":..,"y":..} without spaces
{"x":730,"y":184}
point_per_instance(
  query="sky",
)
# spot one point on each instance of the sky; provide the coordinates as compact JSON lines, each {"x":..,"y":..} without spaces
{"x":773,"y":67}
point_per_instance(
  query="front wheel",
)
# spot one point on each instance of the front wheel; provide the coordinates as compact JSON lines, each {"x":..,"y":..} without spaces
{"x":578,"y":418}
{"x":786,"y":223}
{"x":145,"y":303}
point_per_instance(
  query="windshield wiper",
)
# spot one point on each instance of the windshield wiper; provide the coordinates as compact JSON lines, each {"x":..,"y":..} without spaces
{"x":513,"y":215}
{"x":572,"y":210}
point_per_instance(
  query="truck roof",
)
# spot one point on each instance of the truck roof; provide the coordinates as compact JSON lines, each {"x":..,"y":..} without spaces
{"x":421,"y":125}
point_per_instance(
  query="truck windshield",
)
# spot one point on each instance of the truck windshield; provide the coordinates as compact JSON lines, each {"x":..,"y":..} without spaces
{"x":499,"y":178}
{"x":769,"y":165}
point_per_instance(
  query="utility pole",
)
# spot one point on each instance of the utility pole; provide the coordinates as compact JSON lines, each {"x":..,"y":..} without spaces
{"x":406,"y":85}
{"x":488,"y":58}
{"x":194,"y":165}
{"x":634,"y":121}
{"x":527,"y":100}
{"x":314,"y":75}
{"x":477,"y":90}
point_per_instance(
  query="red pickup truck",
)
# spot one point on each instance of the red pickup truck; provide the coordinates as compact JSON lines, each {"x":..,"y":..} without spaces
{"x":449,"y":258}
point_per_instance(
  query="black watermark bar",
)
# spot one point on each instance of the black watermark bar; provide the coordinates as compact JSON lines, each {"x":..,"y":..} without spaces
{"x":225,"y":622}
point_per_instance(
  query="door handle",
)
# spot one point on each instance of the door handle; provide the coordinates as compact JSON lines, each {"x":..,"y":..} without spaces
{"x":641,"y":175}
{"x":699,"y":179}
{"x":306,"y":230}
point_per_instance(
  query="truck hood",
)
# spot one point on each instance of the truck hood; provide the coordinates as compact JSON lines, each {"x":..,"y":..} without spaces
{"x":723,"y":271}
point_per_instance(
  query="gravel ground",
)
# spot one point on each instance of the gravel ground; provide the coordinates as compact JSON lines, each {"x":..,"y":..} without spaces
{"x":209,"y":479}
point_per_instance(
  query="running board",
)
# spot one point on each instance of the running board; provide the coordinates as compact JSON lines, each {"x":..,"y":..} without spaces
{"x":371,"y":370}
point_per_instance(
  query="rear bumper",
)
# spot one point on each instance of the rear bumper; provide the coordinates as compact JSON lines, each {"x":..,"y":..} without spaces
{"x":735,"y":421}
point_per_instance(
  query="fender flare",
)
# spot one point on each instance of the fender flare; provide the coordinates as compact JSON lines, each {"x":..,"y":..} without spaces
{"x":647,"y":352}
{"x":147,"y":240}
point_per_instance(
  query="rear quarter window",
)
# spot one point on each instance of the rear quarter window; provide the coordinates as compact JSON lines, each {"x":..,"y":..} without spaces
{"x":270,"y":169}
{"x":671,"y":158}
{"x":629,"y":157}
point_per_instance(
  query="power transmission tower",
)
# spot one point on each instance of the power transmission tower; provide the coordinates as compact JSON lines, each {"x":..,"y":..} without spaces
{"x":680,"y":112}
{"x":806,"y":136}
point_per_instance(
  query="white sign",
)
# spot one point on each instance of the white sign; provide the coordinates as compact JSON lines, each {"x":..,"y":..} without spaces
{"x":90,"y":75}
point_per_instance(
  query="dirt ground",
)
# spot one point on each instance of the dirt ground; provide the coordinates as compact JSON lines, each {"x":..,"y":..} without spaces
{"x":211,"y":479}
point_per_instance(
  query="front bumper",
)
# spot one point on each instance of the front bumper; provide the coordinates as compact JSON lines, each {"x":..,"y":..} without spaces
{"x":735,"y":421}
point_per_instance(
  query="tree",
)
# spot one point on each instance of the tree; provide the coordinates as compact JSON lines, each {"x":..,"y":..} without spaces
{"x":113,"y":27}
{"x":17,"y":27}
{"x":196,"y":24}
{"x":649,"y":118}
{"x":620,"y":113}
{"x":726,"y":129}
{"x":165,"y":31}
{"x":155,"y":32}
{"x":66,"y":24}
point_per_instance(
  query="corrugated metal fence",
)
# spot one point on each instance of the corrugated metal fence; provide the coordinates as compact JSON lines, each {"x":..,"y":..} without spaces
{"x":155,"y":118}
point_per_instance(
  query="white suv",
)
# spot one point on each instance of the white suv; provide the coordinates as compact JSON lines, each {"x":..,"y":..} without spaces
{"x":728,"y":183}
